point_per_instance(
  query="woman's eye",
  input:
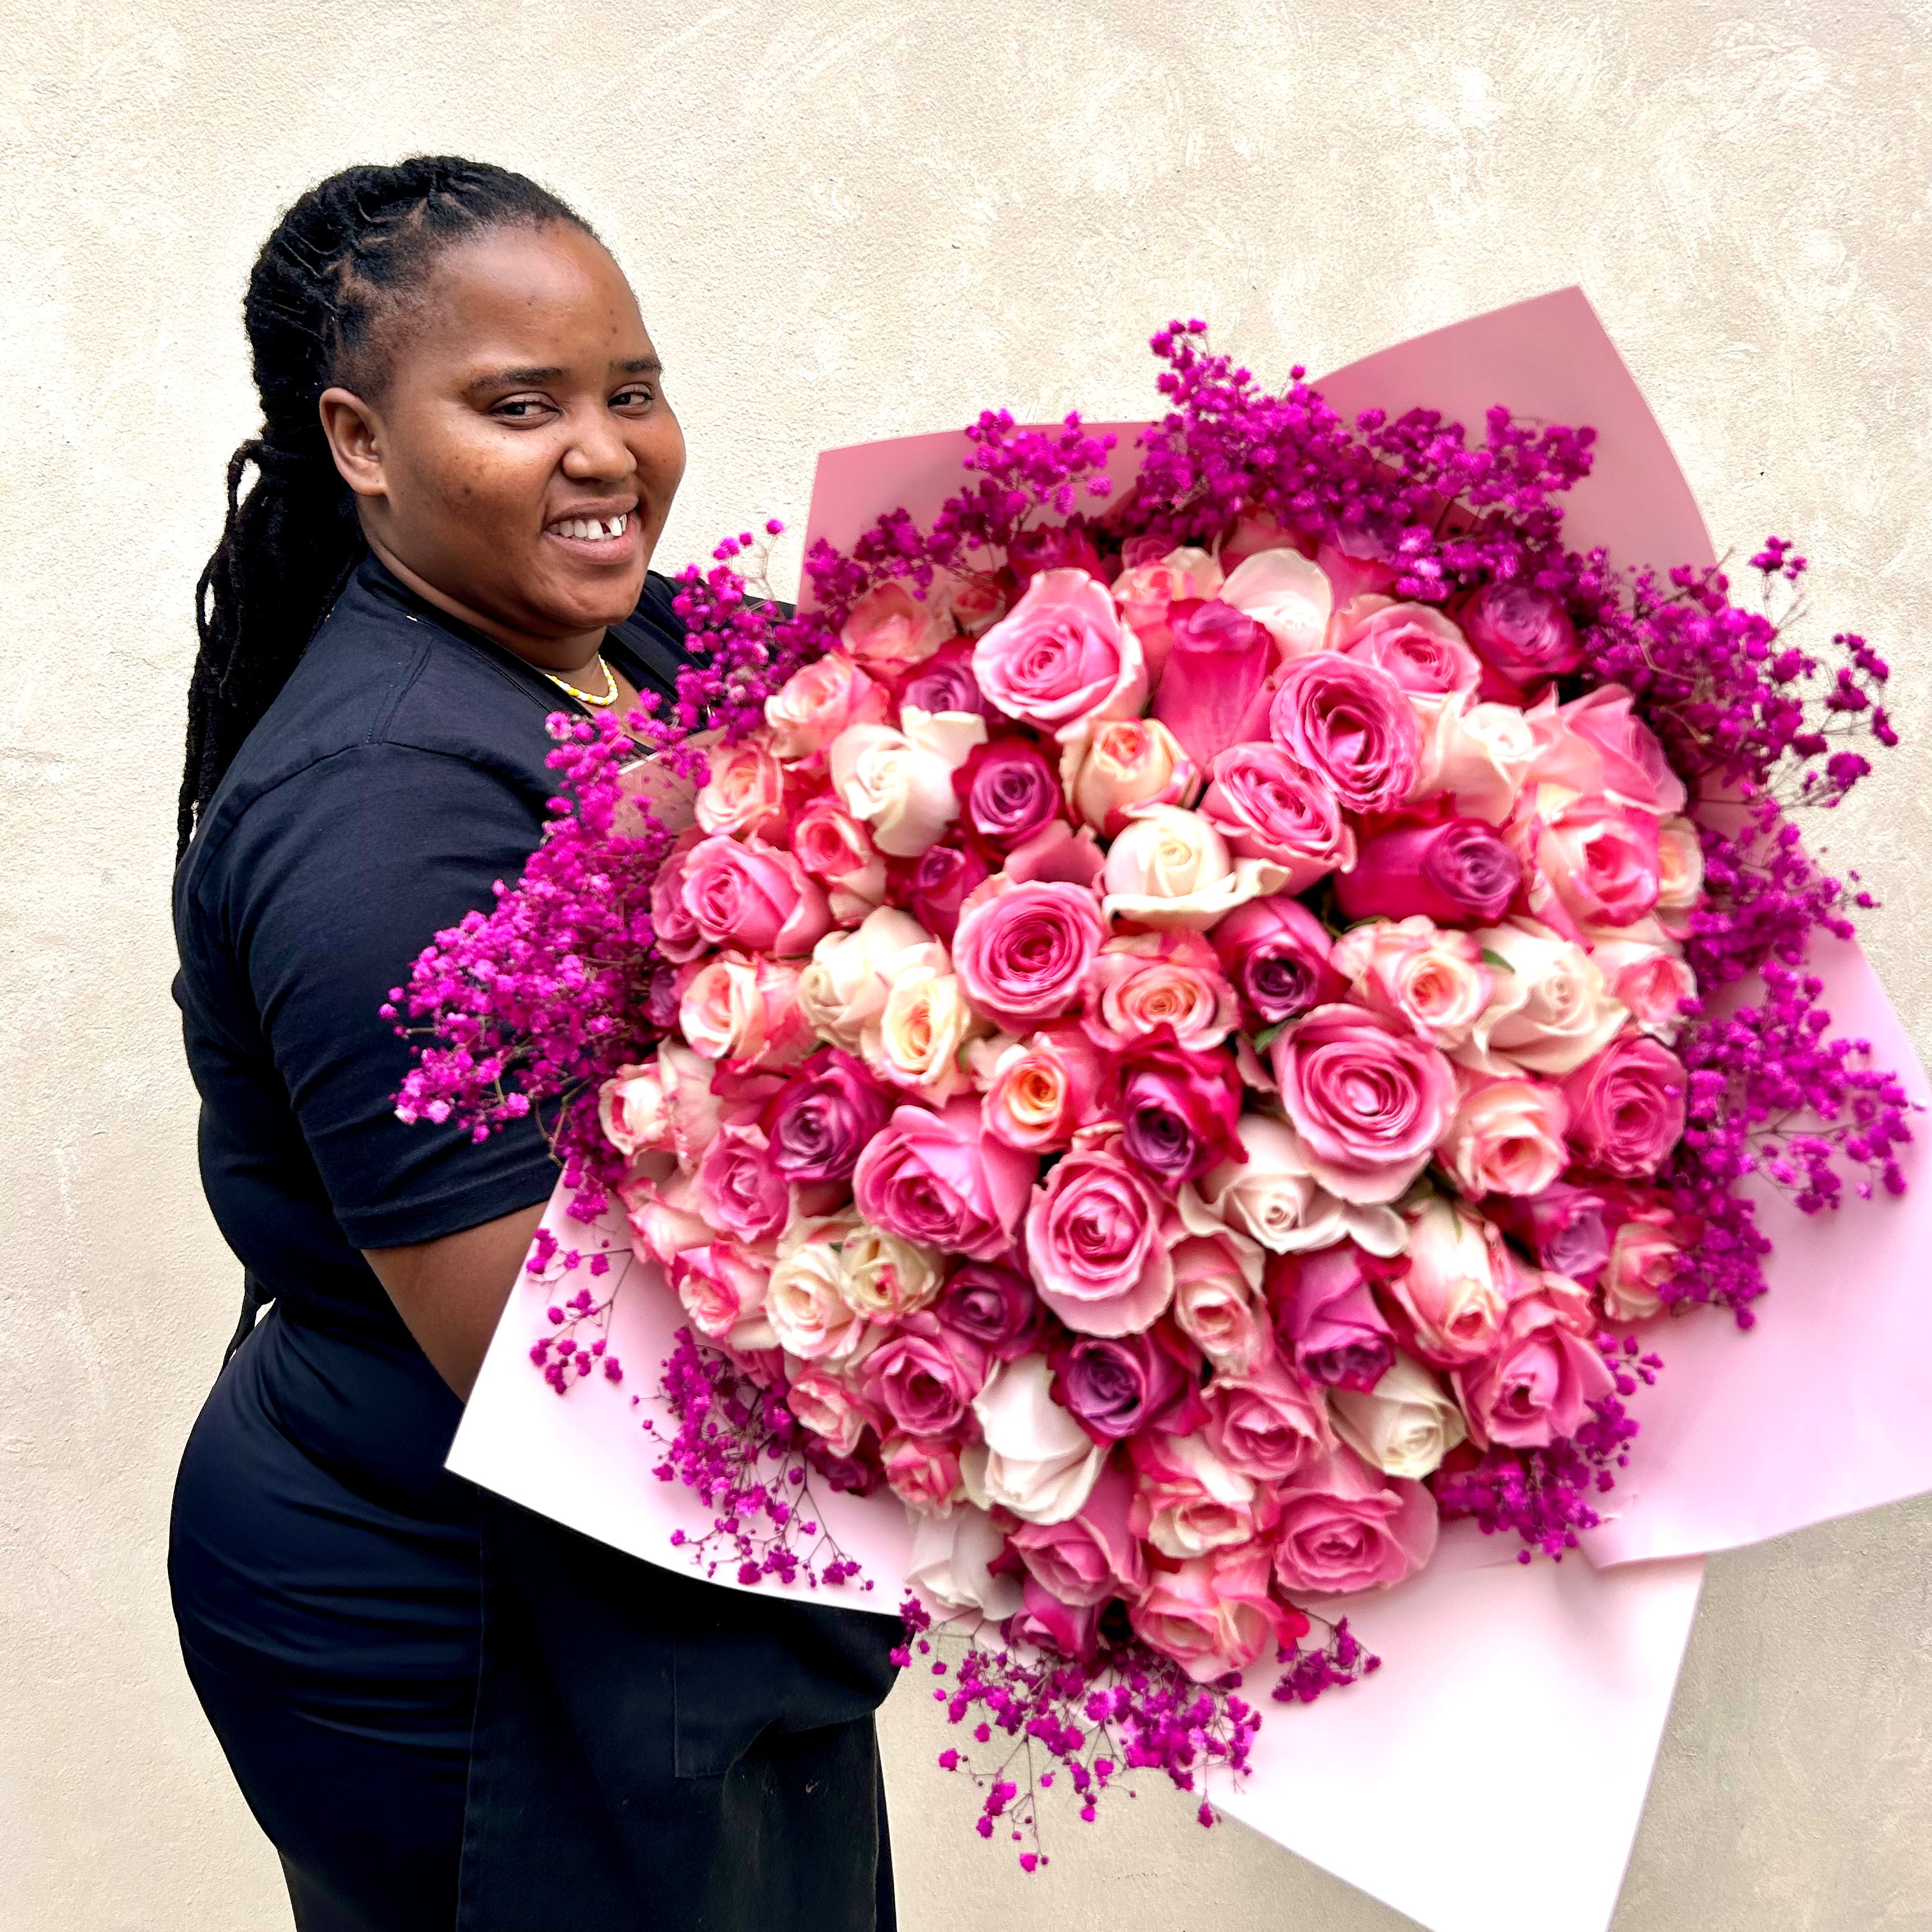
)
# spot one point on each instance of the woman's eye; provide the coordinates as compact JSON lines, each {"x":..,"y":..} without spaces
{"x":639,"y":395}
{"x":520,"y":408}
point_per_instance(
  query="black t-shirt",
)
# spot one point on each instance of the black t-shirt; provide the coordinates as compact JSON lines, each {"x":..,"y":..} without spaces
{"x":398,"y":774}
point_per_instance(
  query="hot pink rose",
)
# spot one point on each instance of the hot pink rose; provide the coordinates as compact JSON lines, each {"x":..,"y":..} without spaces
{"x":1523,"y":636}
{"x":722,"y":1287}
{"x":994,"y":1306}
{"x":1212,"y":692}
{"x":1094,"y":1238}
{"x":1149,"y":983}
{"x":1369,"y":1098}
{"x":1346,"y":1527}
{"x":1626,"y":1107}
{"x":943,"y":878}
{"x":1267,"y":806}
{"x":890,"y":629}
{"x":1010,"y":792}
{"x":838,"y":851}
{"x":1598,"y":743}
{"x":1457,"y":872}
{"x":1507,"y":1136}
{"x":924,"y":1376}
{"x":1269,"y":1423}
{"x":1357,"y":562}
{"x":924,"y":1474}
{"x":1041,"y":1090}
{"x":745,"y":1011}
{"x":1420,"y":648}
{"x":1350,"y":725}
{"x":1276,"y":953}
{"x":752,"y":895}
{"x":818,"y":701}
{"x":1146,"y":592}
{"x":1599,"y":861}
{"x":1538,"y":1385}
{"x":1021,"y":952}
{"x":1069,"y":1629}
{"x":744,"y":794}
{"x":738,"y":1188}
{"x":1062,"y":655}
{"x":1187,"y":1502}
{"x":938,"y":1179}
{"x":1216,"y":1613}
{"x":1177,"y":1112}
{"x":1093,"y":1556}
{"x":1326,"y":1316}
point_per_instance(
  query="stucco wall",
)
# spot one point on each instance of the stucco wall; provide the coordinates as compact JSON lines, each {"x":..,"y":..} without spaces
{"x":848,"y":221}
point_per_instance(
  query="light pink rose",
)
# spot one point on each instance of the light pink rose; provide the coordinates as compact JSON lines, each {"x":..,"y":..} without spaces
{"x":1597,"y":743}
{"x":1187,"y":1502}
{"x":1680,"y":872}
{"x":925,"y":1376}
{"x":1346,"y":1527}
{"x":744,"y":1012}
{"x":664,"y":1220}
{"x":923,"y":1474}
{"x":1093,"y":1555}
{"x":1268,"y":1424}
{"x":1217,"y":1304}
{"x":1456,"y":1284}
{"x":722,"y":1287}
{"x":738,"y":1189}
{"x":1215,"y":1614}
{"x":1094,"y":1238}
{"x":1033,"y":1458}
{"x":1109,"y":767}
{"x":972,"y":598}
{"x":1414,"y":970}
{"x":1062,"y":655}
{"x":939,"y":1180}
{"x":1041,"y":1090}
{"x":889,"y":629}
{"x":1146,"y":981}
{"x":1477,"y":755}
{"x":1273,"y":1196}
{"x":950,"y":1565}
{"x":744,"y":795}
{"x":1586,"y":861}
{"x":838,"y":851}
{"x":817,"y":703}
{"x":1368,"y":1098}
{"x":1645,"y":1253}
{"x":1507,"y":1136}
{"x":1349,"y":724}
{"x":1626,"y":1107}
{"x":750,"y":894}
{"x":1644,"y":968}
{"x":845,"y":989}
{"x":634,"y":1112}
{"x":824,"y":1402}
{"x":1290,"y":597}
{"x":1538,"y":1383}
{"x":1266,"y":806}
{"x":1419,"y":647}
{"x":1144,"y":592}
{"x":1021,"y":952}
{"x":672,"y":925}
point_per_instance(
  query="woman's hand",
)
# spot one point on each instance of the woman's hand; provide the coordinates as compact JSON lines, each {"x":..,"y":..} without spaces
{"x":451,"y":1291}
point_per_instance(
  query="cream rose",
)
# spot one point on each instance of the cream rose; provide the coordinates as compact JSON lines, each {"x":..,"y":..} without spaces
{"x":951,"y":1560}
{"x":1036,"y":1460}
{"x":1273,"y":1198}
{"x":916,"y":1038}
{"x":884,"y":1275}
{"x":1404,"y":1425}
{"x":1549,"y":1010}
{"x":1288,"y":594}
{"x":900,"y":782}
{"x":845,"y":987}
{"x":1479,"y":754}
{"x":805,"y":1300}
{"x":1170,"y":868}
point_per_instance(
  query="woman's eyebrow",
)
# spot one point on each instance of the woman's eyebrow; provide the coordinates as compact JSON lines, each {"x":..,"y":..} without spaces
{"x":638,"y":365}
{"x":510,"y":379}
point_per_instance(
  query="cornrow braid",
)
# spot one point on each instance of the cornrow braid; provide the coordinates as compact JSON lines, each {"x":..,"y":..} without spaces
{"x":344,"y":257}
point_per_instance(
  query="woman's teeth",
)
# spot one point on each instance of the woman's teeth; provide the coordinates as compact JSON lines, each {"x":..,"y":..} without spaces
{"x":592,"y":527}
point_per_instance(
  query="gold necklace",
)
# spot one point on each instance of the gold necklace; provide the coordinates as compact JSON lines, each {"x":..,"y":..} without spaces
{"x":588,"y":698}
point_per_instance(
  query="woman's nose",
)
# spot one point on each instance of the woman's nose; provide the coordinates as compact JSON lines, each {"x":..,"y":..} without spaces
{"x":597,"y":451}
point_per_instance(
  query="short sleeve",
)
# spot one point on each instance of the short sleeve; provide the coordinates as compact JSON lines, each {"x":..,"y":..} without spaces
{"x":340,"y":877}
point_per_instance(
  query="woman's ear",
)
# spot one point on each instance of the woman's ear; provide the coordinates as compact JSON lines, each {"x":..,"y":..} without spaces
{"x":355,"y":440}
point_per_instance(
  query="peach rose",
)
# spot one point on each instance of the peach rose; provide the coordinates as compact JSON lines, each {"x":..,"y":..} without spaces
{"x":744,"y":1012}
{"x":1114,"y":764}
{"x":1145,"y":981}
{"x":1645,"y":969}
{"x":1412,"y":970}
{"x":1507,"y":1136}
{"x":889,"y":628}
{"x":818,"y":701}
{"x":744,"y":793}
{"x":1039,"y":1091}
{"x":915,"y":1039}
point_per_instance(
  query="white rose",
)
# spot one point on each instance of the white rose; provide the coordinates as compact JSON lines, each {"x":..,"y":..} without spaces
{"x":1171,"y":868}
{"x":950,"y":1564}
{"x":846,"y":985}
{"x":1479,"y":753}
{"x":900,"y":782}
{"x":885,"y":1276}
{"x":1273,"y":1198}
{"x":1404,"y":1425}
{"x":1220,"y":1516}
{"x":806,"y":1303}
{"x":1036,"y":1460}
{"x":1549,"y":1009}
{"x":1287,"y":594}
{"x":916,"y":1037}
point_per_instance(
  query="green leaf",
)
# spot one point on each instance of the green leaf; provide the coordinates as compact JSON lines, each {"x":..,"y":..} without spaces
{"x":1496,"y":960}
{"x":1265,"y":1038}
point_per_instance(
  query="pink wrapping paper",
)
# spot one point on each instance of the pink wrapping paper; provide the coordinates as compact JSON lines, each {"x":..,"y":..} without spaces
{"x":1817,"y":1413}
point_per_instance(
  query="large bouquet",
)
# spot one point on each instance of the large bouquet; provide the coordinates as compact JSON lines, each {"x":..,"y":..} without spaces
{"x":1188,"y":1027}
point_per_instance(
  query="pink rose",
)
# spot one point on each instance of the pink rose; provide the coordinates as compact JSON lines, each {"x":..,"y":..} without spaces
{"x":1266,"y":806}
{"x":739,"y":1189}
{"x":972,"y":598}
{"x":924,"y":1474}
{"x":924,"y":1376}
{"x":1644,"y":968}
{"x":1457,"y":872}
{"x":1326,"y":1316}
{"x":1092,"y":1555}
{"x":1217,"y":1304}
{"x":817,"y":702}
{"x":1021,"y":952}
{"x":1413,"y":970}
{"x":672,"y":925}
{"x":1350,"y":725}
{"x":1068,"y":1629}
{"x":1062,"y":655}
{"x":945,"y":682}
{"x":1187,"y":1502}
{"x":753,"y":896}
{"x":1215,"y":1614}
{"x":890,"y":629}
{"x":1599,"y":861}
{"x":1566,"y":1228}
{"x":1041,"y":1089}
{"x":1420,"y":647}
{"x":722,"y":1287}
{"x":1626,"y":1107}
{"x":1052,"y":546}
{"x":744,"y":1012}
{"x":1177,"y":1112}
{"x":663,"y":1220}
{"x":1645,"y":1256}
{"x":838,"y":851}
{"x":1212,"y":692}
{"x":1357,"y":562}
{"x":1056,"y":855}
{"x":1456,"y":1284}
{"x":744,"y":794}
{"x":1267,"y":1424}
{"x":1108,"y":768}
{"x":820,"y":1122}
{"x":634,"y":1111}
{"x":1146,"y":982}
{"x":1010,"y":792}
{"x":1507,"y":1136}
{"x":823,"y":1402}
{"x":1538,"y":1385}
{"x":943,"y":880}
{"x":1277,"y":954}
{"x":1369,"y":1098}
{"x":1146,"y":592}
{"x":1094,"y":1238}
{"x":1115,"y":1386}
{"x":1523,"y":636}
{"x":1346,"y":1527}
{"x":1598,"y":743}
{"x":939,"y":1180}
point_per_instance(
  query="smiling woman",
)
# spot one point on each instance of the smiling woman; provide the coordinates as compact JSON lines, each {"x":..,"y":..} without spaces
{"x":426,"y":1695}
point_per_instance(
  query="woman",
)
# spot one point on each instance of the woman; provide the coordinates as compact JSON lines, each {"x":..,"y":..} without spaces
{"x":443,"y":1710}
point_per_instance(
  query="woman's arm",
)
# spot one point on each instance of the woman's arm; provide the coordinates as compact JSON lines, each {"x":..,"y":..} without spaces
{"x":451,"y":1291}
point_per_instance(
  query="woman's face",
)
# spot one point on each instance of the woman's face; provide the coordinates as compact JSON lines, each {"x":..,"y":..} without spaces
{"x":520,"y":462}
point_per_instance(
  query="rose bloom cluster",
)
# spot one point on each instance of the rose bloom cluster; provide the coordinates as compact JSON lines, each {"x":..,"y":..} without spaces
{"x":1162,"y":1058}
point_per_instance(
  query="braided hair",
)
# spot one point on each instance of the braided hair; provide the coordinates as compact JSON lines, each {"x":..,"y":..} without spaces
{"x":339,"y":261}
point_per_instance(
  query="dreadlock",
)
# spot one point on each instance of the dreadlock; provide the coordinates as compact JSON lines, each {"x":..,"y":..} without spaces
{"x":345,"y":255}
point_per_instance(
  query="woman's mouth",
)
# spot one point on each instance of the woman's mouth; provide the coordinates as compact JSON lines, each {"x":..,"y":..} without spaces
{"x":609,"y":539}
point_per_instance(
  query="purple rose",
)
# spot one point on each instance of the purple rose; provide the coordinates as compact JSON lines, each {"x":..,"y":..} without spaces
{"x":939,"y":883}
{"x":859,"y":1473}
{"x":1115,"y":1386}
{"x":945,"y":683}
{"x":1179,"y":1112}
{"x":1210,"y":694}
{"x":1010,"y":792}
{"x":1458,"y":873}
{"x":1523,"y":636}
{"x":819,"y":1122}
{"x":1567,"y":1229}
{"x":1275,"y":952}
{"x":992,"y":1305}
{"x":1326,"y":1316}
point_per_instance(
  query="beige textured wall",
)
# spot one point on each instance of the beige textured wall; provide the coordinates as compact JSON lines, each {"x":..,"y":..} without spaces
{"x":848,"y":221}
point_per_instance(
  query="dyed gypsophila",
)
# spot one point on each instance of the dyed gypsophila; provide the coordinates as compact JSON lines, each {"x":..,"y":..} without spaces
{"x":1177,"y":1041}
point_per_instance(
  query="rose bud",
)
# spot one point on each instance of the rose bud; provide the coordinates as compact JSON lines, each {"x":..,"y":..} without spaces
{"x":1457,"y":874}
{"x":1523,"y":636}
